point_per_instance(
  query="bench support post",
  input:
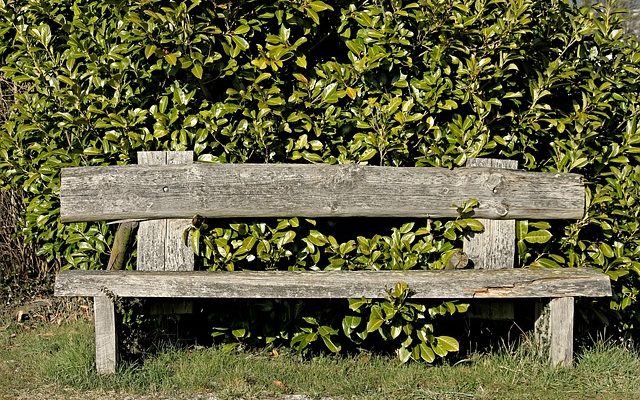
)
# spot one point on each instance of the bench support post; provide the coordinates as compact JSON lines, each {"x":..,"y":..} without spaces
{"x":106,"y":340}
{"x":494,"y":248}
{"x":554,"y":330}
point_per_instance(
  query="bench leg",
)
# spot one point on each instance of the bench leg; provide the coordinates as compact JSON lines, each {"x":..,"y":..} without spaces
{"x":554,"y":330}
{"x":106,"y":340}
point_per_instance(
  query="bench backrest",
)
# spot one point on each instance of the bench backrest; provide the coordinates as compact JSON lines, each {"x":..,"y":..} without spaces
{"x":169,"y":190}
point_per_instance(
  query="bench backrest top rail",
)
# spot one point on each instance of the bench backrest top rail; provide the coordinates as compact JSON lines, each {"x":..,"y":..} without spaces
{"x":318,"y":190}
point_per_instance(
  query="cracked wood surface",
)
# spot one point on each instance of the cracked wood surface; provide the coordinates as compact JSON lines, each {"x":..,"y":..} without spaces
{"x":286,"y":190}
{"x":465,"y":284}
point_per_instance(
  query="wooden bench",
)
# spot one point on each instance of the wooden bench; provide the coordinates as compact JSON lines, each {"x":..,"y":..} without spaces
{"x":169,"y":189}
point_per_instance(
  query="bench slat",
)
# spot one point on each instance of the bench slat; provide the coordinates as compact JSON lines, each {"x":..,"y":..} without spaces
{"x":285,"y":190}
{"x":466,"y":284}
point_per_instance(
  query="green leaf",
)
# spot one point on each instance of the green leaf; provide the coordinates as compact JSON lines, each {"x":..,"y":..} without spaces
{"x":349,"y":323}
{"x":171,"y":58}
{"x":395,"y":331}
{"x":246,"y":246}
{"x":301,"y":61}
{"x":330,"y":345}
{"x":310,"y":320}
{"x":240,"y":42}
{"x":317,"y":238}
{"x":448,"y":343}
{"x":319,"y":6}
{"x":406,"y":227}
{"x":313,"y":15}
{"x":196,"y":70}
{"x":325,"y":330}
{"x":540,"y":236}
{"x":616,"y":274}
{"x":426,"y":353}
{"x":522,"y":228}
{"x":606,"y":250}
{"x":474,"y":225}
{"x":368,"y":154}
{"x":355,"y":304}
{"x":149,"y":50}
{"x":329,"y":93}
{"x":242,"y":29}
{"x":540,"y":225}
{"x":375,"y":319}
{"x":302,"y":340}
{"x":262,"y":76}
{"x":404,"y":355}
{"x":439,"y":350}
{"x":545,"y":263}
{"x":239,"y":333}
{"x":286,"y":238}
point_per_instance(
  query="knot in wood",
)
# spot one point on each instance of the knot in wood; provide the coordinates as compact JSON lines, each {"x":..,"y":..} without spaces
{"x":496,"y":183}
{"x":496,"y":208}
{"x":502,"y":209}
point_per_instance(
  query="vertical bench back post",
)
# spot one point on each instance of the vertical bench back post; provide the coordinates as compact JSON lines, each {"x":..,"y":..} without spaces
{"x":494,"y":248}
{"x":160,"y":246}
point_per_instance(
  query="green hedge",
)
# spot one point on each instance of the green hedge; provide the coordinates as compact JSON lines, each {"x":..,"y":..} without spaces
{"x":385,"y":82}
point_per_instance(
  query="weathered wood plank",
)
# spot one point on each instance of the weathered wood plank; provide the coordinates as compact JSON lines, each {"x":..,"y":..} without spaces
{"x":151,"y":242}
{"x":466,"y":284}
{"x":554,"y":330}
{"x":283,"y":190}
{"x":160,"y":246}
{"x":106,"y":340}
{"x":495,"y":247}
{"x":178,"y":256}
{"x":151,"y":234}
{"x":561,"y":317}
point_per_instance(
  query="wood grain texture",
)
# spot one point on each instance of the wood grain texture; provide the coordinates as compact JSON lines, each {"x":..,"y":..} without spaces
{"x":495,"y":247}
{"x":466,"y":284}
{"x":178,"y":256}
{"x":160,"y":245}
{"x":561,"y":323}
{"x":554,"y":330}
{"x":284,"y":190}
{"x":106,"y":340}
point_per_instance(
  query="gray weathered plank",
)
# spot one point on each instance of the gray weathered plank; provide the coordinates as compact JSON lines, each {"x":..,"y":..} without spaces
{"x":466,"y":284}
{"x":178,"y":256}
{"x":554,"y":330}
{"x":106,"y":340}
{"x":160,"y":245}
{"x":283,"y":190}
{"x":495,"y":247}
{"x":152,"y":234}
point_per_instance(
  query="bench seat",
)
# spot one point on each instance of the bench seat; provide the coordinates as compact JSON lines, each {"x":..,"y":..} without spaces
{"x":462,"y":284}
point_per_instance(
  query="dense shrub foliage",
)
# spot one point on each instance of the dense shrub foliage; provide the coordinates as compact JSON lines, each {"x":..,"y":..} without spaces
{"x":384,"y":82}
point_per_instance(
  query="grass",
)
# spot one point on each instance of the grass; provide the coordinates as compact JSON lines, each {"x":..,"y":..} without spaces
{"x":48,"y":358}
